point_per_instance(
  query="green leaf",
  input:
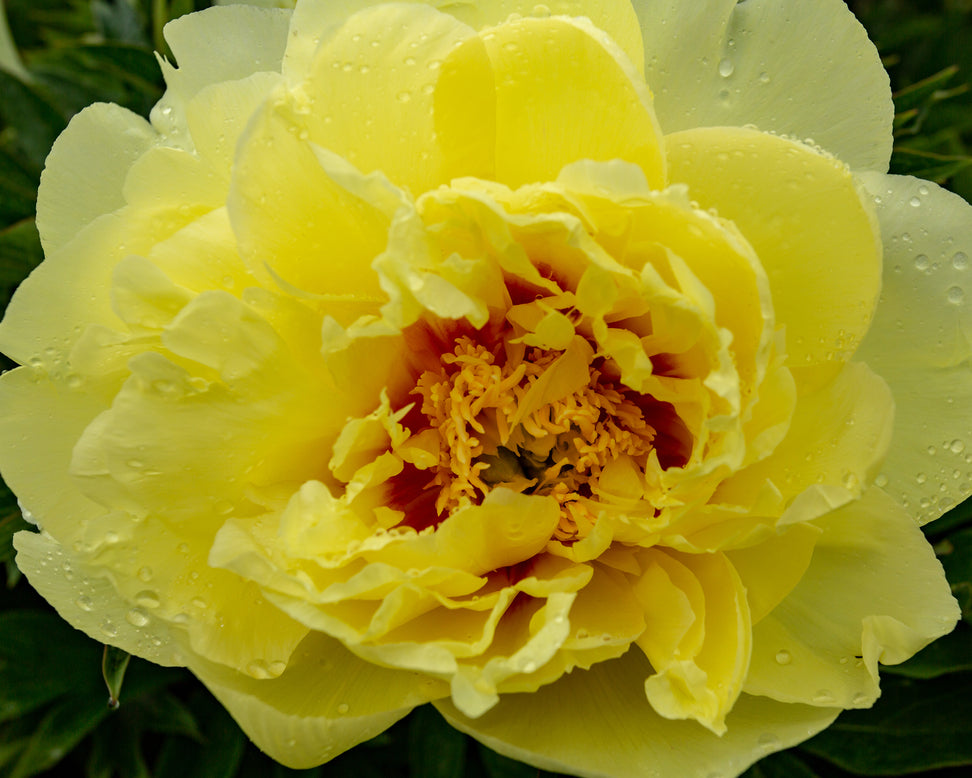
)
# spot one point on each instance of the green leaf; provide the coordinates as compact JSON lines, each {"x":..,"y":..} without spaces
{"x":31,"y":116}
{"x":61,"y":729}
{"x":116,"y":750}
{"x":18,"y":188}
{"x":42,"y":658}
{"x":914,"y":726}
{"x":924,"y":91}
{"x":927,"y":165}
{"x":435,"y":750}
{"x":783,"y":765}
{"x":218,"y":756}
{"x":168,"y":714}
{"x":114,"y":663}
{"x":499,"y":766}
{"x":955,"y":553}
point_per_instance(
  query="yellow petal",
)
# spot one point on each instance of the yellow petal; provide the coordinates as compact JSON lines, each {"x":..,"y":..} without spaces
{"x":874,"y":592}
{"x":616,"y":17}
{"x":89,"y":602}
{"x":325,"y":702}
{"x":838,"y":435}
{"x":921,"y":342}
{"x":94,"y":152}
{"x":814,"y":234}
{"x":556,"y":81}
{"x":803,"y":69}
{"x":567,"y":727}
{"x":697,"y":635}
{"x":304,"y":214}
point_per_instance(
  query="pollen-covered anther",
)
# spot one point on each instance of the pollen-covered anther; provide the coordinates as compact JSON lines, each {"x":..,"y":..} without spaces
{"x":473,"y":400}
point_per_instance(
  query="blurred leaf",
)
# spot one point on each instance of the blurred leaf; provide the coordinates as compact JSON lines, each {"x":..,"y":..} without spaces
{"x":20,"y":252}
{"x":120,"y":21}
{"x":42,"y":658}
{"x":18,"y":188}
{"x":11,"y":522}
{"x":927,"y":165}
{"x":217,"y":756}
{"x":435,"y":750}
{"x":116,"y":750}
{"x":499,"y":766}
{"x":166,"y":713}
{"x":114,"y":663}
{"x":9,"y":57}
{"x":31,"y":116}
{"x":955,"y":553}
{"x":914,"y":726}
{"x":781,"y":765}
{"x":924,"y":91}
{"x":950,"y":654}
{"x":959,"y":516}
{"x":61,"y":729}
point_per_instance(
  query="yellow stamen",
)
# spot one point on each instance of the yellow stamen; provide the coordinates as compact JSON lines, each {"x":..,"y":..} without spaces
{"x":560,"y":449}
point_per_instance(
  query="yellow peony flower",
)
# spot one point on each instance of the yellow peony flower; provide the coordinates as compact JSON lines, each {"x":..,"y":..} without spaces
{"x":531,"y":360}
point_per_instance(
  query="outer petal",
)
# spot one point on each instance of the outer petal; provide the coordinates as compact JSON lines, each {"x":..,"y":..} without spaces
{"x":921,"y":342}
{"x":326,"y":701}
{"x":213,"y":46}
{"x":802,"y":213}
{"x":806,"y":69}
{"x":597,"y":723}
{"x":90,"y":603}
{"x":874,"y":590}
{"x":615,"y":17}
{"x":86,"y":169}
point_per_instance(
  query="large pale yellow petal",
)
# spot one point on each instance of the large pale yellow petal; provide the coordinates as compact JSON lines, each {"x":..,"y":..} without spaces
{"x":804,"y":69}
{"x":85,"y":171}
{"x":813,"y":232}
{"x":212,"y":46}
{"x":874,"y":592}
{"x":325,"y":702}
{"x":598,"y":724}
{"x":921,"y":342}
{"x":616,"y":17}
{"x":89,"y":602}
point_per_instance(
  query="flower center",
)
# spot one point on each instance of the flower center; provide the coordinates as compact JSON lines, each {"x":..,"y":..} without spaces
{"x":534,"y":420}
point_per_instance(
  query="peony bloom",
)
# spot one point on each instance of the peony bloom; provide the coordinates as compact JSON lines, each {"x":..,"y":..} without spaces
{"x":531,"y":360}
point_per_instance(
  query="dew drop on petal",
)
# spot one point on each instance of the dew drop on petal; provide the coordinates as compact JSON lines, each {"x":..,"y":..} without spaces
{"x":960,"y":260}
{"x":137,"y":617}
{"x":343,"y":708}
{"x":783,"y":657}
{"x":84,"y":603}
{"x":955,"y":295}
{"x":726,"y":68}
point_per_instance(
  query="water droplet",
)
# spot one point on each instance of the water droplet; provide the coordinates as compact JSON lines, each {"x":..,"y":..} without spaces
{"x":922,"y":190}
{"x":859,"y":699}
{"x":108,"y":629}
{"x":137,"y":617}
{"x":921,"y":262}
{"x":145,"y":574}
{"x":955,"y":295}
{"x":764,"y":78}
{"x":960,"y":260}
{"x":921,"y":478}
{"x":541,"y":11}
{"x":84,"y":603}
{"x":111,"y":537}
{"x":957,"y":446}
{"x":276,"y":668}
{"x":403,"y":97}
{"x":783,"y":657}
{"x":851,"y":482}
{"x":824,"y":697}
{"x":199,"y":602}
{"x":529,"y":667}
{"x":147,"y":598}
{"x":914,"y":202}
{"x":726,"y":68}
{"x":258,"y":669}
{"x":135,"y":464}
{"x":343,"y":708}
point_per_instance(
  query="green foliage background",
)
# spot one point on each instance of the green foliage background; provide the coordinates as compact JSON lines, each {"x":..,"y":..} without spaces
{"x":56,"y":56}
